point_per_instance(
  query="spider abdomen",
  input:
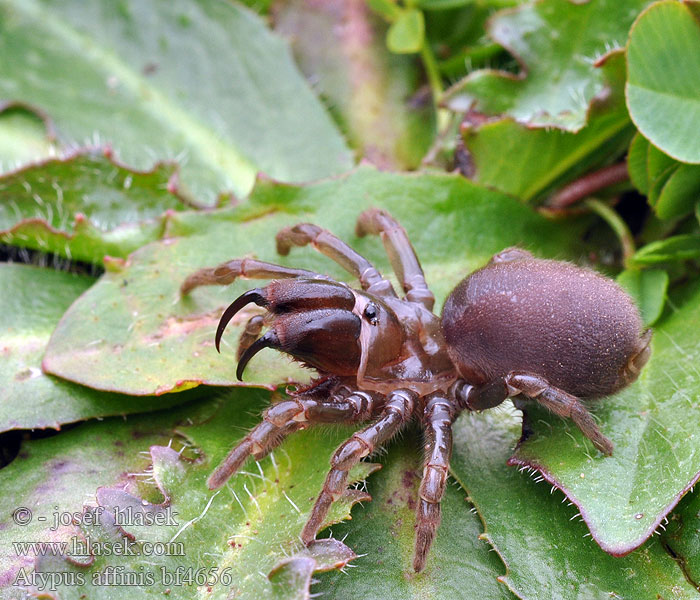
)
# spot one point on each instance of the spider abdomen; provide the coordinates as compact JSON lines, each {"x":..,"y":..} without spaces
{"x":572,"y":326}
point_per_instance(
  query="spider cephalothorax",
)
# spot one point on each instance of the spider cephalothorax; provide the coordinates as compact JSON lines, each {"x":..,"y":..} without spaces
{"x":520,"y":327}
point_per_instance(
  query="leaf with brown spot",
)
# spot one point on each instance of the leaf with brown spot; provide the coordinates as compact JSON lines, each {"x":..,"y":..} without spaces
{"x":31,"y":304}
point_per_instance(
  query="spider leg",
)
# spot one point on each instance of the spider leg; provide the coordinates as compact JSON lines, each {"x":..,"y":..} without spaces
{"x":527,"y":427}
{"x":437,"y":421}
{"x":288,"y":416}
{"x":539,"y":389}
{"x":401,"y":254}
{"x":247,"y":268}
{"x":335,"y":249}
{"x":560,"y":403}
{"x":395,"y":414}
{"x":251,"y":333}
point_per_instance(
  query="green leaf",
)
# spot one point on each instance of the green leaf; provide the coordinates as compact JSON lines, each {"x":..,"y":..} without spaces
{"x":544,"y":547}
{"x":648,"y":288}
{"x":240,"y":533}
{"x":657,"y":184}
{"x":460,"y":565}
{"x":388,"y":9}
{"x":660,"y":167}
{"x":658,"y":163}
{"x":407,"y":34}
{"x":152,"y":340}
{"x":527,"y":162}
{"x":680,"y":193}
{"x":32,"y":301}
{"x":672,"y":188}
{"x":291,"y":578}
{"x":557,"y":44}
{"x":637,"y":163}
{"x":663,"y":87}
{"x":458,"y":37}
{"x":23,"y":137}
{"x":443,"y":4}
{"x":86,"y":206}
{"x":159,"y":80}
{"x":677,"y":247}
{"x":652,"y":424}
{"x":681,"y":535}
{"x":54,"y":476}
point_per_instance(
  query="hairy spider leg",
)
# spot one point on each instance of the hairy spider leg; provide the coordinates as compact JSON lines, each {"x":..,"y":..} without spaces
{"x":326,"y":243}
{"x":288,"y":416}
{"x":250,"y":333}
{"x":438,"y":416}
{"x":247,"y":268}
{"x":396,"y":413}
{"x":540,"y":390}
{"x":528,"y":428}
{"x":401,"y":254}
{"x":560,"y":403}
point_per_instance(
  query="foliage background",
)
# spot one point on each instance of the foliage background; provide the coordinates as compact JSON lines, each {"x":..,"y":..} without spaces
{"x":141,"y":140}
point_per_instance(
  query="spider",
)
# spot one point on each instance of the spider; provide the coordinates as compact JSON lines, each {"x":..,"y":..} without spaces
{"x":520,"y":327}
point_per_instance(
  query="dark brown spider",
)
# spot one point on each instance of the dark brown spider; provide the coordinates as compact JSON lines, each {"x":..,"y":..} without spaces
{"x":541,"y":330}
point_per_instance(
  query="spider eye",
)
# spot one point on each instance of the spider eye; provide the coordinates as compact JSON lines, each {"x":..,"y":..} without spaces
{"x":371,"y":313}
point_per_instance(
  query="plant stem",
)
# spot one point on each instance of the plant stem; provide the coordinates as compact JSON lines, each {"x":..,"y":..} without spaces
{"x":435,"y":81}
{"x":617,"y":224}
{"x":588,"y":184}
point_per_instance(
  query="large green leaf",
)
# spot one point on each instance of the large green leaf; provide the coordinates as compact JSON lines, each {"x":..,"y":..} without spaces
{"x":234,"y":536}
{"x":663,"y":87}
{"x":86,"y":206}
{"x":648,"y":289}
{"x":527,"y":162}
{"x":546,"y":551}
{"x":460,"y":564}
{"x":653,"y":425}
{"x":31,"y":303}
{"x":148,"y":339}
{"x":557,"y":43}
{"x":203,"y":81}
